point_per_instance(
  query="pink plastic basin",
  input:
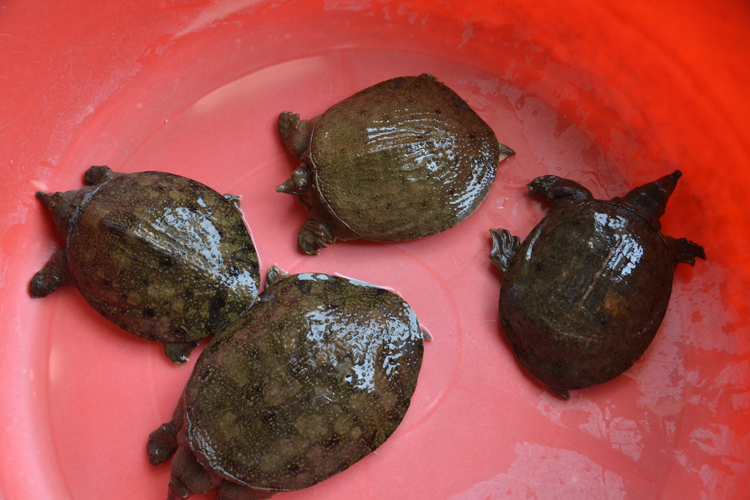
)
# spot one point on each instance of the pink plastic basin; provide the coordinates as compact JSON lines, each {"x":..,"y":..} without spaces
{"x":611,"y":94}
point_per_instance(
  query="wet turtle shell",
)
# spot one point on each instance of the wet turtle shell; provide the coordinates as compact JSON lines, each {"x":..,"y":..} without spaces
{"x":317,"y":375}
{"x":162,"y":256}
{"x":400,"y":160}
{"x":585,"y":293}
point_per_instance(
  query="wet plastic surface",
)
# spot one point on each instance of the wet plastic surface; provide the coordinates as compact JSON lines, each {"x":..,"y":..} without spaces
{"x":608,"y":95}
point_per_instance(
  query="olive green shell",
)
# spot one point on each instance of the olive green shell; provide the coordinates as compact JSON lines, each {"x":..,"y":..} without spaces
{"x":403,"y":159}
{"x":585,"y":293}
{"x":162,"y":256}
{"x":313,"y":378}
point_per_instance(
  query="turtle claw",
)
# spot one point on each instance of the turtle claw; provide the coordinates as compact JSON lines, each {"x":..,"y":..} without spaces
{"x":275,"y":274}
{"x":287,"y":124}
{"x":504,"y":247}
{"x":177,"y":489}
{"x":178,"y":352}
{"x":295,"y":132}
{"x":686,"y":251}
{"x":53,"y":275}
{"x":313,"y":236}
{"x":162,"y":443}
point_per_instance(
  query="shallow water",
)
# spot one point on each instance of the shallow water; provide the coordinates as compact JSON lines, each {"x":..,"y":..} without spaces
{"x":195,"y":89}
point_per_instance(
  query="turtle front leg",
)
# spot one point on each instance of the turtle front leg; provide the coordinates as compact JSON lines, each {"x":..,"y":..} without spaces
{"x":314,"y":236}
{"x":504,"y":247}
{"x":52,"y":276}
{"x":557,"y":188}
{"x":684,"y":250}
{"x":162,"y":443}
{"x":99,"y":174}
{"x":296,"y":133}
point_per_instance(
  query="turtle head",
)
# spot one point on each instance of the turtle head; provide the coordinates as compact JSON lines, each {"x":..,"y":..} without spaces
{"x":63,"y":207}
{"x":298,"y":183}
{"x":650,"y":200}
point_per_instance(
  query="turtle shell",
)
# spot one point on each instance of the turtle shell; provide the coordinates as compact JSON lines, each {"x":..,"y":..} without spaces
{"x":162,"y":256}
{"x":585,"y":293}
{"x":403,"y":159}
{"x":315,"y":376}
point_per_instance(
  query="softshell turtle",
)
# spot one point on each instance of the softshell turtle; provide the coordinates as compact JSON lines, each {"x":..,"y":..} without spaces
{"x":162,"y":256}
{"x":317,"y":375}
{"x":585,"y":293}
{"x":400,"y":160}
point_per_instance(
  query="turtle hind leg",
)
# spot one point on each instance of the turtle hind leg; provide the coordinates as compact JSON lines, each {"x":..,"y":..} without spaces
{"x":685,"y":251}
{"x":188,"y":475}
{"x":504,"y":247}
{"x":177,"y":489}
{"x":557,"y":188}
{"x":178,"y":352}
{"x":314,"y":236}
{"x":227,"y":490}
{"x":296,"y":133}
{"x":52,"y":276}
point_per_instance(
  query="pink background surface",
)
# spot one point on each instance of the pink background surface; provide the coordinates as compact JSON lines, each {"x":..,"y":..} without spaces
{"x":608,"y":94}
